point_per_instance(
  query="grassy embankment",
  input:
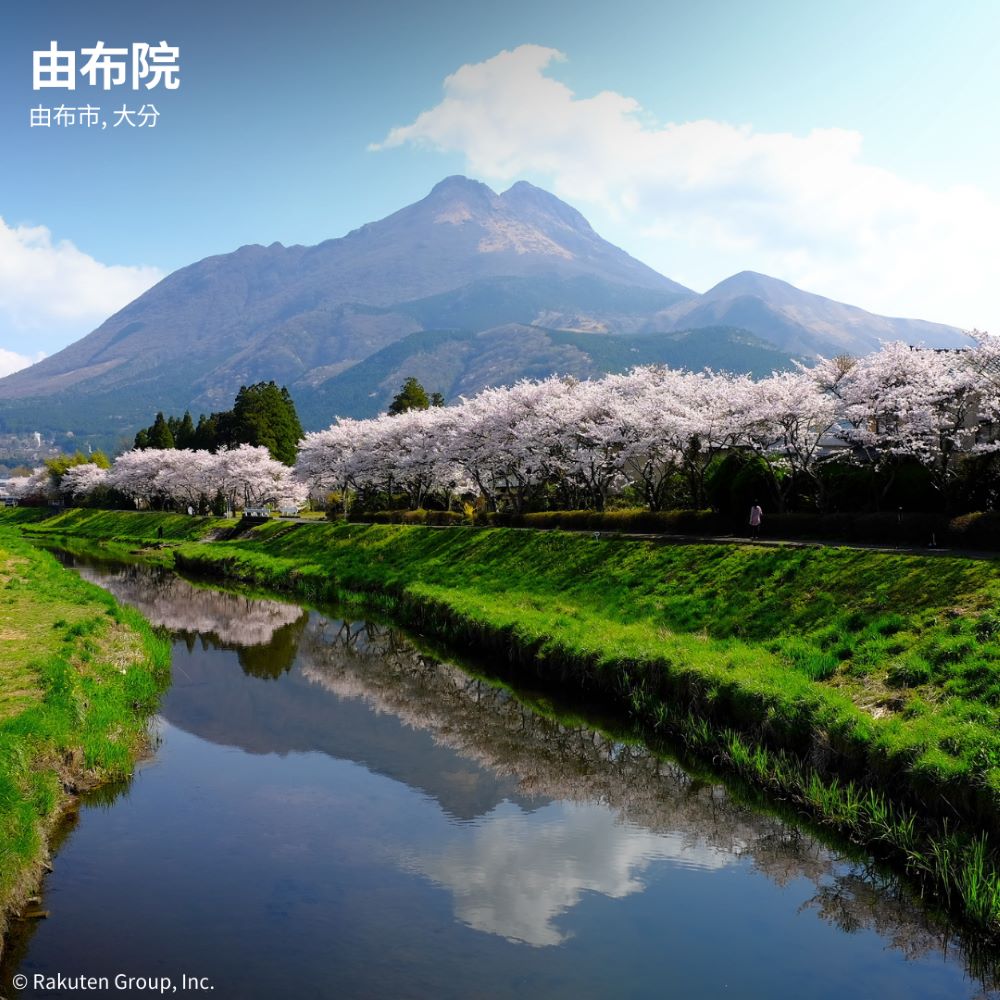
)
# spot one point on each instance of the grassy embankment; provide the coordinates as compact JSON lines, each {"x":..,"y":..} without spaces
{"x":119,"y":526}
{"x":863,"y":687}
{"x":79,"y":676}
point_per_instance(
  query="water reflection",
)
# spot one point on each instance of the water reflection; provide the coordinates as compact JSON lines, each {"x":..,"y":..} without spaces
{"x":615,"y":807}
{"x":516,"y":873}
{"x":540,"y":815}
{"x":166,"y":600}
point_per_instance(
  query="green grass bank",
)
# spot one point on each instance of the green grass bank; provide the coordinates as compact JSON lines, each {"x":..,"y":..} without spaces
{"x":118,"y":526}
{"x":79,"y":676}
{"x":862,"y":687}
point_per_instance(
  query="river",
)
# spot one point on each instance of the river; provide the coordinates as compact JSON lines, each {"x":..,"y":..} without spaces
{"x":333,"y":811}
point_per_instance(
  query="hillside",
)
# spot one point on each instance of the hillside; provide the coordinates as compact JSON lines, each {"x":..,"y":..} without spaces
{"x":460,"y":363}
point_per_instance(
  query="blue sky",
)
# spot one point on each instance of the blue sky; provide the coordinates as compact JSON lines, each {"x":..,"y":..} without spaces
{"x":847,"y":147}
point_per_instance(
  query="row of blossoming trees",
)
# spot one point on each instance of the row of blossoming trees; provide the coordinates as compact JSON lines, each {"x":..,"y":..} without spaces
{"x":653,"y":429}
{"x":234,"y":478}
{"x":653,"y":433}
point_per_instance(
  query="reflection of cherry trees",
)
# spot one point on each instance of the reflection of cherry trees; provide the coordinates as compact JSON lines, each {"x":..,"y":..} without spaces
{"x":573,"y":763}
{"x":173,"y":603}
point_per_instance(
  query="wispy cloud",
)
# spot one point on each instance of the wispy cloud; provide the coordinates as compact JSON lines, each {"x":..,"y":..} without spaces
{"x":51,"y":291}
{"x":714,"y":197}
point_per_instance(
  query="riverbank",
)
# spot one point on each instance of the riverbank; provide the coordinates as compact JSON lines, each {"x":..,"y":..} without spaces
{"x":79,"y":679}
{"x":393,"y":823}
{"x":862,"y":687}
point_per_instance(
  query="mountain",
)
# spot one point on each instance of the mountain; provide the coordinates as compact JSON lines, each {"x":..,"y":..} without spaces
{"x":799,"y":322}
{"x":520,"y":279}
{"x":301,"y":315}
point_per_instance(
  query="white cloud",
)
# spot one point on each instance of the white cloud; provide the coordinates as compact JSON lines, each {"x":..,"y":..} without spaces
{"x":11,"y":362}
{"x":703,"y":199}
{"x":514,"y":874}
{"x":52,"y":292}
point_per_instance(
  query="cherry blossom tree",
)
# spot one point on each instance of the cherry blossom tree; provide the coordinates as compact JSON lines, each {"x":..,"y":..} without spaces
{"x":133,"y":474}
{"x":902,"y":401}
{"x":651,"y":454}
{"x":246,"y":476}
{"x":249,"y":477}
{"x":185,"y":477}
{"x":790,"y":414}
{"x":37,"y":488}
{"x":83,"y":480}
{"x":710,"y":413}
{"x":327,"y":461}
{"x":505,"y":441}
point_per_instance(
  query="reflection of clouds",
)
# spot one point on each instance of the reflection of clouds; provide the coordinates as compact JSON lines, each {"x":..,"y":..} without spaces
{"x":175,"y":604}
{"x":619,"y":807}
{"x":514,"y":873}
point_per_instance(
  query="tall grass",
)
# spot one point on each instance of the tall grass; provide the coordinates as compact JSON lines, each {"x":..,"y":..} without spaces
{"x":80,"y":676}
{"x":133,"y":526}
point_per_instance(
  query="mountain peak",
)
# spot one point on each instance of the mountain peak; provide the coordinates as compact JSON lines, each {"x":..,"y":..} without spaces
{"x":459,"y":186}
{"x":524,"y":189}
{"x":528,"y":201}
{"x":802,"y":322}
{"x":750,"y":283}
{"x":522,"y":201}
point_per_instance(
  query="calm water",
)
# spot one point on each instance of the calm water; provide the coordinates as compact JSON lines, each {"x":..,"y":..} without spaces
{"x":332,"y":813}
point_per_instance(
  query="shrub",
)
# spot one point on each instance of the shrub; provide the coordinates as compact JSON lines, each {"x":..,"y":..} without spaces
{"x":975,"y":531}
{"x":419,"y":516}
{"x":679,"y":522}
{"x":888,"y":528}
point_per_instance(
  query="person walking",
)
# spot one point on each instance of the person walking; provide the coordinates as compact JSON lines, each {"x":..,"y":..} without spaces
{"x":756,"y":514}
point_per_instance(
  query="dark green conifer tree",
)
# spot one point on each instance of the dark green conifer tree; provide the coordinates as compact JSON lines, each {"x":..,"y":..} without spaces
{"x":184,"y":432}
{"x":262,"y":415}
{"x":265,"y":415}
{"x":160,"y":435}
{"x":412,"y":396}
